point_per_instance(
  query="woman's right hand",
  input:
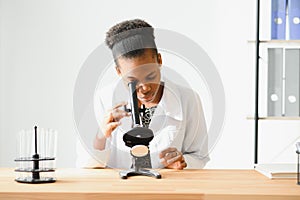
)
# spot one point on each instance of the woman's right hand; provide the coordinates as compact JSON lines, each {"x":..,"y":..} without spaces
{"x":112,"y":119}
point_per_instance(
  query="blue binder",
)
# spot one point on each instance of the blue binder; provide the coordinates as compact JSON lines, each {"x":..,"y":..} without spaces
{"x":278,"y":18}
{"x":294,"y":19}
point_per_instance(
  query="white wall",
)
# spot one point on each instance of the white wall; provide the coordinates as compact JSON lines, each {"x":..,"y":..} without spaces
{"x":1,"y":89}
{"x":40,"y":60}
{"x":44,"y":44}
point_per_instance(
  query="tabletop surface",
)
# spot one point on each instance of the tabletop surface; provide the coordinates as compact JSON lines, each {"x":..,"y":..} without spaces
{"x":175,"y":184}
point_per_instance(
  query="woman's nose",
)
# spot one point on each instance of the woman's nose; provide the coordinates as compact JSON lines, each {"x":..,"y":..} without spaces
{"x":144,"y":88}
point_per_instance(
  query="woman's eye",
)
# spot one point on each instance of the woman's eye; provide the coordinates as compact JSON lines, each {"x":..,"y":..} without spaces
{"x":128,"y":81}
{"x":151,"y":77}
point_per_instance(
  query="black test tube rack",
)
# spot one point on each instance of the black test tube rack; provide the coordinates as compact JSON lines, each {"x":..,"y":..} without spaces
{"x":35,"y":171}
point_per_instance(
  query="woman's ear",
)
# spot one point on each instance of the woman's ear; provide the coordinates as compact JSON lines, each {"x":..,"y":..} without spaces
{"x":159,"y":59}
{"x":118,"y":70}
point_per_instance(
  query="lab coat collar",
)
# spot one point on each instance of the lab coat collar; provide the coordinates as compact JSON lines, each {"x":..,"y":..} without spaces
{"x":170,"y":103}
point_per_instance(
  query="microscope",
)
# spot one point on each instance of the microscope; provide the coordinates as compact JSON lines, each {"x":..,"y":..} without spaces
{"x":138,"y":139}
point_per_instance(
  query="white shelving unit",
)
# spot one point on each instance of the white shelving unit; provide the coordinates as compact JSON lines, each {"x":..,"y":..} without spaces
{"x":261,"y":65}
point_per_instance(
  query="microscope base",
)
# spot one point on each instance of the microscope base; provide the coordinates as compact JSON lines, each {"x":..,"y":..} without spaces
{"x":141,"y":172}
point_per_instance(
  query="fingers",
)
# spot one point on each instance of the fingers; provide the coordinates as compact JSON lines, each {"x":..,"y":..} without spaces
{"x":119,"y":105}
{"x":183,"y":163}
{"x":115,"y":114}
{"x":172,"y":158}
{"x":110,"y":128}
{"x":179,"y":165}
{"x":109,"y":118}
{"x":167,"y":151}
{"x":169,"y":159}
{"x":112,"y":119}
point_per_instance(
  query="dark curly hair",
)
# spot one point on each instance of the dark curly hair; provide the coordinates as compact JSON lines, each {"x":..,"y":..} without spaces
{"x":127,"y":29}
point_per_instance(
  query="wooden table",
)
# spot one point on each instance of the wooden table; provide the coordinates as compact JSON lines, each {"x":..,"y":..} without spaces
{"x":187,"y":184}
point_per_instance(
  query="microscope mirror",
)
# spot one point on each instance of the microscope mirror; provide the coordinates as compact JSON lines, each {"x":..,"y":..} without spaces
{"x":139,"y":150}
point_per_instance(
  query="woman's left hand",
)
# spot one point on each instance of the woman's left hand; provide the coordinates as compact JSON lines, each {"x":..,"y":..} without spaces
{"x":171,"y":158}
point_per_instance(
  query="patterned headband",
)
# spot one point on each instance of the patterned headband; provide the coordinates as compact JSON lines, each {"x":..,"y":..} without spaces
{"x":135,"y":42}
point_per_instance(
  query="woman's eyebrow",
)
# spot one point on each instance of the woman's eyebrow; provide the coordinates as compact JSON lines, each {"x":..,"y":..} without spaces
{"x":150,"y":74}
{"x":130,"y":77}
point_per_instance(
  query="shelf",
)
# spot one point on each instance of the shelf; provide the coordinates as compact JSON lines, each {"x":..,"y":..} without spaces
{"x":32,"y":180}
{"x":35,"y":170}
{"x":22,"y":159}
{"x":275,"y":118}
{"x":276,"y":41}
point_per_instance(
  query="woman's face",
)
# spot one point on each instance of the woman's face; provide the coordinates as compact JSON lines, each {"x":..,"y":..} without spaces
{"x":145,"y":70}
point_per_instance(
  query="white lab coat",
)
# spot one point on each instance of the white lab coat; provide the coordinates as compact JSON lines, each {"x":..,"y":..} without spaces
{"x":178,"y":121}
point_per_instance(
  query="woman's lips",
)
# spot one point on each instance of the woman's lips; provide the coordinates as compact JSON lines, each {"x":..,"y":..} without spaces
{"x":147,"y":97}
